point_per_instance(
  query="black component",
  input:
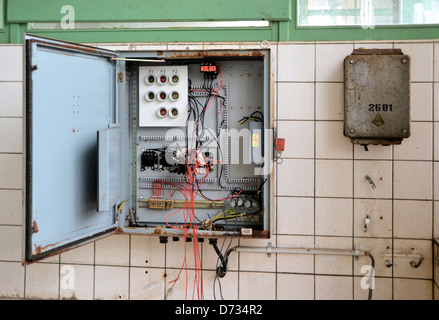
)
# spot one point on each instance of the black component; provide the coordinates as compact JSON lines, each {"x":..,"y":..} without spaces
{"x":175,"y":238}
{"x":178,"y":169}
{"x":163,"y":239}
{"x":148,"y":159}
{"x":210,"y":70}
{"x":245,"y":201}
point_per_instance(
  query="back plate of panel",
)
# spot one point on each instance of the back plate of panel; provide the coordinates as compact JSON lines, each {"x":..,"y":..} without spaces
{"x":239,"y":94}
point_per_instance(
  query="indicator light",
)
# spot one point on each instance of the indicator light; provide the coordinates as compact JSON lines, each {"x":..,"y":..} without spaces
{"x":175,"y":79}
{"x":162,"y":96}
{"x":150,"y":79}
{"x":150,"y":96}
{"x":175,"y":96}
{"x":174,"y":113}
{"x":163,"y":79}
{"x":162,"y":112}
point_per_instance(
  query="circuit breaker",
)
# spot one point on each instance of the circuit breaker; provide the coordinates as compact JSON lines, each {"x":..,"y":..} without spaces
{"x":377,"y":96}
{"x":160,"y":143}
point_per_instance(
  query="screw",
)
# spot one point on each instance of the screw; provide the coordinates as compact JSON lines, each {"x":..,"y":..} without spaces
{"x":404,"y":60}
{"x":351,"y":61}
{"x":352,"y":131}
{"x":404,"y":131}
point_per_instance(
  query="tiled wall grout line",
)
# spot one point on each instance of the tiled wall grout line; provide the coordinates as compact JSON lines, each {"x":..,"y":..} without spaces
{"x":315,"y":165}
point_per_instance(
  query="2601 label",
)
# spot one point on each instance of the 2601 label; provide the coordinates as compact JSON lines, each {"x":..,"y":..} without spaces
{"x":380,"y":107}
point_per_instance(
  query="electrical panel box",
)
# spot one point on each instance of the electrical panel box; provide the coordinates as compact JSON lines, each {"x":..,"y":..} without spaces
{"x":160,"y":143}
{"x":377,"y":96}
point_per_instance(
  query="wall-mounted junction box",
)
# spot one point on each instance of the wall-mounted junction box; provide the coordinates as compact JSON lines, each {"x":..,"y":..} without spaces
{"x":377,"y":96}
{"x":162,"y":143}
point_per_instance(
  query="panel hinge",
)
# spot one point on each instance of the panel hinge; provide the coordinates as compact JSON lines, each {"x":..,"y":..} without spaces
{"x":120,"y":77}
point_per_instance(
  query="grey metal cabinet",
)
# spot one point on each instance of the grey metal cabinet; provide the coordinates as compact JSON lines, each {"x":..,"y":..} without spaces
{"x":158,"y":143}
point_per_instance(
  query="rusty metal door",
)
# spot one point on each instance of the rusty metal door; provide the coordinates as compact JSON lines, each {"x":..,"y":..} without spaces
{"x":69,"y":98}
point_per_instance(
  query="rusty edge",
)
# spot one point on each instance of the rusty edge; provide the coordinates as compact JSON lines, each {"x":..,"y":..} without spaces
{"x":161,"y":231}
{"x":76,"y":47}
{"x":200,"y":54}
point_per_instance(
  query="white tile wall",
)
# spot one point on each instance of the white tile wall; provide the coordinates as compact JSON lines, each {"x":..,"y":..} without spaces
{"x":297,"y":101}
{"x":421,"y":55}
{"x":322,"y":199}
{"x":329,"y":101}
{"x":326,"y":54}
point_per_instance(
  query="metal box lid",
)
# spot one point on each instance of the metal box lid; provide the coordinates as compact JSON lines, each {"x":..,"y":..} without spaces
{"x":377,"y":96}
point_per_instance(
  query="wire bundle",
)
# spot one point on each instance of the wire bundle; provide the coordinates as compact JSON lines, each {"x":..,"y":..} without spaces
{"x":190,"y":189}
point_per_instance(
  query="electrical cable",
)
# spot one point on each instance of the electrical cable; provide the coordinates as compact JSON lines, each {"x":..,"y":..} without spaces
{"x":371,"y":275}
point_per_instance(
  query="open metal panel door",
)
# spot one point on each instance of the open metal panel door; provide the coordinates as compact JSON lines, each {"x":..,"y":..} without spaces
{"x":70,"y":97}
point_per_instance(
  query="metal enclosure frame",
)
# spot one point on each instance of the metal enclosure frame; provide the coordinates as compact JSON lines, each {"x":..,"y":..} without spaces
{"x":122,"y":119}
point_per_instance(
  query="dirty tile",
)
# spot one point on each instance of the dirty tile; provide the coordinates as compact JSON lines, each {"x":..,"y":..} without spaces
{"x":413,"y":180}
{"x":330,"y":61}
{"x":373,"y":45}
{"x":295,"y":216}
{"x":436,"y":99}
{"x":333,"y":288}
{"x":436,"y":62}
{"x":299,"y":137}
{"x":372,"y":179}
{"x":81,"y":255}
{"x":11,"y":171}
{"x":11,"y":209}
{"x":11,"y":61}
{"x":263,"y":286}
{"x":11,"y":243}
{"x":334,"y":178}
{"x":147,"y":252}
{"x":373,"y":152}
{"x":295,"y":101}
{"x":181,"y":252}
{"x":421,"y":102}
{"x":11,"y":97}
{"x":407,"y":256}
{"x":379,"y":216}
{"x":11,"y":128}
{"x":333,"y":217}
{"x":295,"y":287}
{"x":381,"y":250}
{"x":299,"y":171}
{"x":329,"y":101}
{"x":382,"y":289}
{"x":330,"y":141}
{"x":12,"y":280}
{"x":211,"y":259}
{"x":249,"y":261}
{"x":296,"y":62}
{"x":76,"y":282}
{"x":113,"y":250}
{"x":42,"y":281}
{"x":333,"y":264}
{"x":419,"y":146}
{"x":147,"y":283}
{"x":421,"y":55}
{"x":412,"y":289}
{"x":297,"y":262}
{"x":225,"y":288}
{"x":412,"y":219}
{"x":117,"y":288}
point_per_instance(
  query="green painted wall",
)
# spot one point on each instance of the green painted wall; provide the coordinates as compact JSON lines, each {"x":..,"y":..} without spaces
{"x":16,"y":14}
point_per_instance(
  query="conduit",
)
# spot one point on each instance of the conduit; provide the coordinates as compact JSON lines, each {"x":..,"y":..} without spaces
{"x":286,"y":250}
{"x":357,"y":252}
